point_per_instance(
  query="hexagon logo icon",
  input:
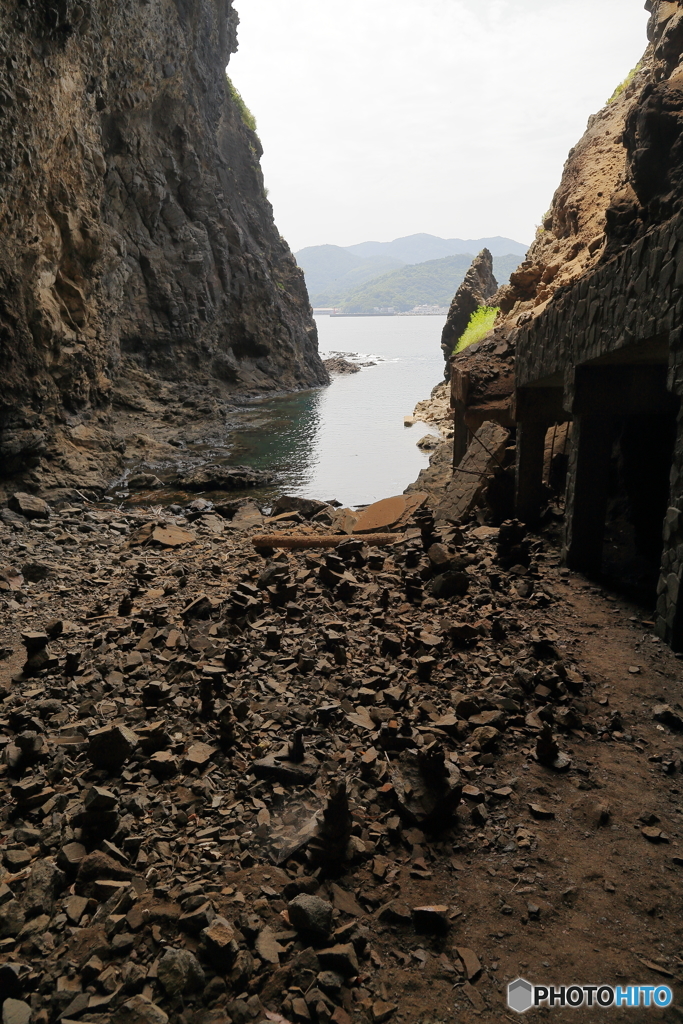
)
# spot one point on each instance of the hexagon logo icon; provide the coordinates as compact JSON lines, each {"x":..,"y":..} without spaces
{"x":520,"y":995}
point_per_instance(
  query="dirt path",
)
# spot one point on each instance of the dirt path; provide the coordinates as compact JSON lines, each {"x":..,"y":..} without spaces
{"x":589,"y":902}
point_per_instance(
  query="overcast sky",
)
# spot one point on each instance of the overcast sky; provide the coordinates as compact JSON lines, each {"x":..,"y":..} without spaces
{"x":381,"y":118}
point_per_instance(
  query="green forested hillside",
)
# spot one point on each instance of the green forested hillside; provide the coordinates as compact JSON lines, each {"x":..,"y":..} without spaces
{"x":330,"y":267}
{"x":334,"y":270}
{"x":432,"y":283}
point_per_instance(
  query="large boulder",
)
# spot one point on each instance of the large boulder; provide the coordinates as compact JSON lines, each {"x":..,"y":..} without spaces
{"x":29,"y":506}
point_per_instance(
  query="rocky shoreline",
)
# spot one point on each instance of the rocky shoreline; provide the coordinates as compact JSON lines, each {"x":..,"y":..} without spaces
{"x":317,"y":785}
{"x":435,"y":477}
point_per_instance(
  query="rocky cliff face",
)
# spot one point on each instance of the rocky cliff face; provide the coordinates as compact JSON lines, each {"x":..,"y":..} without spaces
{"x":624,"y":177}
{"x":139,"y":261}
{"x":475,"y":291}
{"x":572,"y":239}
{"x":653,"y":135}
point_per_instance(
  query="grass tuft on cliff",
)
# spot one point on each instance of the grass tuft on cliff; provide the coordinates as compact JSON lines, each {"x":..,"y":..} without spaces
{"x":625,"y":84}
{"x":481,"y":322}
{"x":244,"y":110}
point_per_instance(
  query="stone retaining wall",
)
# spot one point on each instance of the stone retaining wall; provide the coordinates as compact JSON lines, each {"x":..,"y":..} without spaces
{"x":635,"y":299}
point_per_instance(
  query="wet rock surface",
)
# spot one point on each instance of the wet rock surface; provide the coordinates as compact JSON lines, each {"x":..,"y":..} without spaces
{"x":143,"y":281}
{"x":466,"y":783}
{"x":337,"y":364}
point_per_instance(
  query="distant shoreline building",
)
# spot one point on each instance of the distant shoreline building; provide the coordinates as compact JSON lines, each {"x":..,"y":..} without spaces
{"x":426,"y":310}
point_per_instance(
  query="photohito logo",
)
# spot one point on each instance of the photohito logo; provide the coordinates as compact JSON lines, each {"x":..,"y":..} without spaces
{"x":522,"y":995}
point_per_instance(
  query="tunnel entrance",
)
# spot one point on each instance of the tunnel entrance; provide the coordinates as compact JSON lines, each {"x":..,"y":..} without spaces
{"x":642,"y":450}
{"x":624,"y":432}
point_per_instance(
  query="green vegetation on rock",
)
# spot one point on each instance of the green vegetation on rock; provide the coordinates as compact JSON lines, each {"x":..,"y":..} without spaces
{"x":481,"y":322}
{"x":245,"y":112}
{"x":625,"y":84}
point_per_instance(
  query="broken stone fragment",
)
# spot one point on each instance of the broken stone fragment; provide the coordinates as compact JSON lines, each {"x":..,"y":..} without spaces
{"x":308,"y":507}
{"x":29,"y":506}
{"x":470,"y":962}
{"x":431,"y":920}
{"x":440,"y":557}
{"x":382,"y":1011}
{"x":654,"y":834}
{"x":97,"y":866}
{"x":341,"y":959}
{"x":179,"y":972}
{"x":311,"y":916}
{"x":395,"y":912}
{"x":487,"y":718}
{"x":163,"y":764}
{"x":110,"y":747}
{"x":450,"y":584}
{"x":267,"y":946}
{"x":198,"y":756}
{"x":194,"y":921}
{"x":219,"y":941}
{"x":139,"y":1010}
{"x":99,"y":799}
{"x":540,"y":812}
{"x":12,"y":919}
{"x":665,"y":714}
{"x":287,"y":772}
{"x":15,"y":1011}
{"x":76,"y":907}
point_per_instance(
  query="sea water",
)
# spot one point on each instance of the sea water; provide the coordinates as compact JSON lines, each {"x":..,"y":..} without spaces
{"x":347,"y":441}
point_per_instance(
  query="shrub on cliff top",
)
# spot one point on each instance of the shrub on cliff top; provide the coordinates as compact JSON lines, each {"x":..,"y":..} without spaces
{"x":481,"y":322}
{"x":625,"y":84}
{"x":245,"y":112}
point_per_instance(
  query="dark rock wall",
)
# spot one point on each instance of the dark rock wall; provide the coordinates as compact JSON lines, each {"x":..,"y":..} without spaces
{"x":134,"y":226}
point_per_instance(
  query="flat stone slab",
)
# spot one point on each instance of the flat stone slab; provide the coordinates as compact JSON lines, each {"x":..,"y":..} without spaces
{"x":465,"y":490}
{"x":389,"y":512}
{"x":288,"y":772}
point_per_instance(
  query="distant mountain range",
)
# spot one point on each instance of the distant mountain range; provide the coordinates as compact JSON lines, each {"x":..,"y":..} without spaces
{"x":415,"y":270}
{"x":420,"y":248}
{"x":434,"y":282}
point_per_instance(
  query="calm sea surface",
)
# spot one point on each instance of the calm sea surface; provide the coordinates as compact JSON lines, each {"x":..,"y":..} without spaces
{"x":347,"y":441}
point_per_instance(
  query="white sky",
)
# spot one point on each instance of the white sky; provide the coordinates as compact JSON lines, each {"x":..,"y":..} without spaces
{"x":381,"y":118}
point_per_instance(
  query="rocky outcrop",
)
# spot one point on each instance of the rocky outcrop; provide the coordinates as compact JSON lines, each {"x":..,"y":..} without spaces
{"x":478,"y":287}
{"x":653,"y":136}
{"x":571,"y":240}
{"x":138,"y":246}
{"x":623,"y":177}
{"x":337,"y":364}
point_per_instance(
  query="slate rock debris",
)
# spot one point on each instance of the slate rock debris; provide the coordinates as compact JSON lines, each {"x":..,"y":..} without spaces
{"x":262,"y":786}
